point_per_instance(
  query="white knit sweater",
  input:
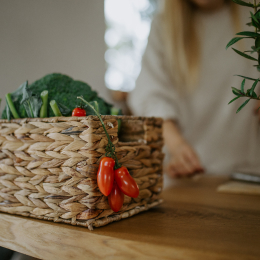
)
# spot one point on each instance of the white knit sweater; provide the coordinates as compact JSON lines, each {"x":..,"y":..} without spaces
{"x":223,"y":139}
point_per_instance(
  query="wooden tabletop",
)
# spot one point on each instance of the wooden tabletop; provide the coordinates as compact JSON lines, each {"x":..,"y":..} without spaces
{"x":194,"y":222}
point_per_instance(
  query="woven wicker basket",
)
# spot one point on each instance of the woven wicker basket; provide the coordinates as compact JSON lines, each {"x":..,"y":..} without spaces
{"x":48,"y":167}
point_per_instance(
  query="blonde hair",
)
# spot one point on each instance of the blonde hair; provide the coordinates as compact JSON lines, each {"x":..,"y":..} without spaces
{"x":182,"y":43}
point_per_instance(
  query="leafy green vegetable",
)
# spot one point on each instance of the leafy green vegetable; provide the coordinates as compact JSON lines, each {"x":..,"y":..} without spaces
{"x":31,"y":102}
{"x":65,"y":111}
{"x":61,"y":88}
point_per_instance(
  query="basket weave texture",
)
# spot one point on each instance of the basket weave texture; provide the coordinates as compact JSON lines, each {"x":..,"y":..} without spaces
{"x":48,"y":167}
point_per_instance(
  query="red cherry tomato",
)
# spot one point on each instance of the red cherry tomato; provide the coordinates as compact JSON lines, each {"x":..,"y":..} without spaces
{"x":116,"y":198}
{"x":126,"y":183}
{"x":105,"y":175}
{"x":79,"y":112}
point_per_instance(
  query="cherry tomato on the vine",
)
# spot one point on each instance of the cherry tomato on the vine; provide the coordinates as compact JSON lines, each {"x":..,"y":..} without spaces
{"x":78,"y":111}
{"x":126,"y":183}
{"x":105,"y":175}
{"x":116,"y":198}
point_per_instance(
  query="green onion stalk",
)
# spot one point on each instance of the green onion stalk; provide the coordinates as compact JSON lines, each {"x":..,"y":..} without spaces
{"x":11,"y":105}
{"x":110,"y":148}
{"x":44,"y":107}
{"x":55,"y":108}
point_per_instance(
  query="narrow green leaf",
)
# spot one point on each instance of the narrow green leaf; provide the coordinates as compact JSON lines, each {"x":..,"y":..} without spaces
{"x":253,"y":87}
{"x":240,"y":2}
{"x":233,"y":100}
{"x":251,"y":52}
{"x":243,"y":105}
{"x":244,"y":55}
{"x":249,"y":33}
{"x":257,"y":15}
{"x":254,"y":20}
{"x":257,"y":42}
{"x":254,"y":95}
{"x":236,"y":91}
{"x":243,"y":85}
{"x":234,"y":40}
{"x":245,"y":77}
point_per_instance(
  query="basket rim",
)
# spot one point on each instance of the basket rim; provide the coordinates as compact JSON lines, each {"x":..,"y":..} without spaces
{"x":73,"y":118}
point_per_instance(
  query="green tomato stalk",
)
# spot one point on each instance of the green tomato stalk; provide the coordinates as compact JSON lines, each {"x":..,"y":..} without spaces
{"x":11,"y":105}
{"x":55,"y":108}
{"x":110,"y":149}
{"x":44,"y":107}
{"x":96,"y":106}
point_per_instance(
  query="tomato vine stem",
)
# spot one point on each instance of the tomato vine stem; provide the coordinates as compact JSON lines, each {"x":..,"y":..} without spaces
{"x":110,"y":148}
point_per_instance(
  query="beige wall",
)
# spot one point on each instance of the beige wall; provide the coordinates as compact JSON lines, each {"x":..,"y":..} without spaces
{"x":38,"y":37}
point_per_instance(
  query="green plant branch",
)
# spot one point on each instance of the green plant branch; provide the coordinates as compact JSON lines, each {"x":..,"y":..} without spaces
{"x":245,"y":95}
{"x":110,"y":149}
{"x":255,"y":22}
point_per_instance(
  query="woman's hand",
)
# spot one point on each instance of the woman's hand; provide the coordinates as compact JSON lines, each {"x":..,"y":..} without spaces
{"x":184,"y":160}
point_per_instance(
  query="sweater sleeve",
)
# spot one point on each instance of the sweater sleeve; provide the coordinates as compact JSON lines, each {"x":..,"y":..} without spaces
{"x":154,"y":94}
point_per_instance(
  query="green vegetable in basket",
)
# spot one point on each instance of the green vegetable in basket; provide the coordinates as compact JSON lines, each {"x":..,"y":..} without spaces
{"x":61,"y":88}
{"x":116,"y":112}
{"x":44,"y":108}
{"x":65,"y":111}
{"x":55,"y":108}
{"x":10,"y":107}
{"x":32,"y":102}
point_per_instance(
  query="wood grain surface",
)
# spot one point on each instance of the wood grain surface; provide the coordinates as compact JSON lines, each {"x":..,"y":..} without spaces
{"x":239,"y":187}
{"x":194,"y":222}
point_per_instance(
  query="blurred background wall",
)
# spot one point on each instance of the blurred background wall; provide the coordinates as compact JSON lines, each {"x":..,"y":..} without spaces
{"x":41,"y":37}
{"x":100,"y":42}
